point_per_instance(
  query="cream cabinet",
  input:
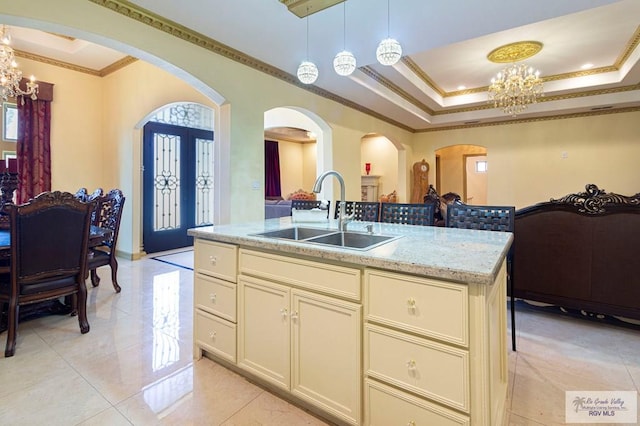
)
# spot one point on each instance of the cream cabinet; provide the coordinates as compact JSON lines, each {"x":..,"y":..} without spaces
{"x":302,"y":341}
{"x":214,"y":304}
{"x":424,"y":359}
{"x":357,"y":344}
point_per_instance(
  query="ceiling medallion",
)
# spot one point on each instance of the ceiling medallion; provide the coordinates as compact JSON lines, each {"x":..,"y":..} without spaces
{"x":514,"y":52}
{"x":518,"y":85}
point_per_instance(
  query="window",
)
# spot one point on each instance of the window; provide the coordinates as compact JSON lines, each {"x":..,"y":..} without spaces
{"x":481,"y":166}
{"x":10,"y":122}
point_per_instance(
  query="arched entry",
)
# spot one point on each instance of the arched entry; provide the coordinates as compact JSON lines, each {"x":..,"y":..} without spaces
{"x":307,"y":120}
{"x":178,"y":184}
{"x":459,"y":169}
{"x":388,"y":162}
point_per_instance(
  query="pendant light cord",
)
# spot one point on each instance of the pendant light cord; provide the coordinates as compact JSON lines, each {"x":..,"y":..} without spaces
{"x":344,"y":25}
{"x":388,"y":19}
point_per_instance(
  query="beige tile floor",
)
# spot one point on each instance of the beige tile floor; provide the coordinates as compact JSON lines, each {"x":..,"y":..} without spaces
{"x":135,"y":366}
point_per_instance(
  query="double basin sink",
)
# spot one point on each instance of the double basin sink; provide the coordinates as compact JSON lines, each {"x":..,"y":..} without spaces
{"x":343,"y":239}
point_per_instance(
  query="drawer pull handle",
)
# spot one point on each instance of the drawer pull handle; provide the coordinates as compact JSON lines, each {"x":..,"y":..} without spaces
{"x":411,"y":304}
{"x":284,"y":313}
{"x":212,"y":335}
{"x":213,"y":296}
{"x":213,"y":260}
{"x":411,"y":366}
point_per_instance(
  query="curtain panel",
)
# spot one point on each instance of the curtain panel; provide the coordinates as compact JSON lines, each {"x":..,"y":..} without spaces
{"x":271,"y":169}
{"x":33,"y":147}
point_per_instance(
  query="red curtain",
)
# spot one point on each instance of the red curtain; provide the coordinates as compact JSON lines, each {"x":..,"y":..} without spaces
{"x":33,"y":147}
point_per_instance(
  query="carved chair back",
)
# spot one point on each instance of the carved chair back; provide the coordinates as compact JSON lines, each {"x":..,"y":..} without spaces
{"x":49,"y":248}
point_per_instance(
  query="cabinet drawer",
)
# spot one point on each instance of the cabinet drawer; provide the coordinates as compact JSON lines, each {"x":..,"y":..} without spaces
{"x":331,"y":279}
{"x":215,"y":296}
{"x":215,"y":335}
{"x":388,"y":406}
{"x":423,"y":306}
{"x":216,"y":259}
{"x":421,"y":366}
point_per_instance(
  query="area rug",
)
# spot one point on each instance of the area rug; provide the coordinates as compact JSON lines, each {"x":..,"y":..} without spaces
{"x":182,"y":259}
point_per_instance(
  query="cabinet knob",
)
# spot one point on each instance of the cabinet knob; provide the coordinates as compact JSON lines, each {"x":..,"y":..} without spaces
{"x":411,"y":423}
{"x":212,"y":335}
{"x":294,"y":315}
{"x":411,"y":304}
{"x":411,"y":366}
{"x":284,"y":313}
{"x":213,"y":260}
{"x":213,"y":296}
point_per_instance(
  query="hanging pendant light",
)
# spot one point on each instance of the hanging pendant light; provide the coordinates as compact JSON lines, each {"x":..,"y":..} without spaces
{"x":389,"y":50}
{"x":307,"y":71}
{"x":344,"y":63}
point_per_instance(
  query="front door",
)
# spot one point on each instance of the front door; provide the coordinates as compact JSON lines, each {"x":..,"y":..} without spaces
{"x":177,"y":184}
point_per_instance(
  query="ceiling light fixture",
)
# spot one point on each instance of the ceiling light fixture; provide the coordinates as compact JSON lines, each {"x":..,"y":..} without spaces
{"x":344,"y":63}
{"x":389,"y":50}
{"x":307,"y":71}
{"x":517,"y":85}
{"x":10,"y":75}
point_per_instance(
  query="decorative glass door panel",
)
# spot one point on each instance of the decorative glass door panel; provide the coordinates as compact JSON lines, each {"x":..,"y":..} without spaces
{"x":178,"y":184}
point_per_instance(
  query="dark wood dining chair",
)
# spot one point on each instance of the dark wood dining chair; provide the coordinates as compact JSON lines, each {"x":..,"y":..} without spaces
{"x":83,"y":195}
{"x":488,"y":218}
{"x":108,"y":216}
{"x":49,"y":248}
{"x":408,"y":214}
{"x":367,"y":211}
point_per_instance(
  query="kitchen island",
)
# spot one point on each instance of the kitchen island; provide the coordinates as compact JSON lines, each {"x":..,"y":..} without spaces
{"x":411,"y":331}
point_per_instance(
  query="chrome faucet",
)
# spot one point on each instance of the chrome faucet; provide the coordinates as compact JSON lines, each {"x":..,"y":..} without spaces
{"x":343,"y":218}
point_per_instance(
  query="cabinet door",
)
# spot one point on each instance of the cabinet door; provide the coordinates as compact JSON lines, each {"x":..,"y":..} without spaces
{"x":263,"y":330}
{"x":326,"y":366}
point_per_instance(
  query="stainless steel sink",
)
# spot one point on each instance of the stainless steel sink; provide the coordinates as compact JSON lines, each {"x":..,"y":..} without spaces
{"x":353,"y":240}
{"x":344,"y":239}
{"x":295,"y":233}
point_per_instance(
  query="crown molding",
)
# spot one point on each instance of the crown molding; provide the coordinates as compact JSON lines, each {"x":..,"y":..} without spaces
{"x":532,"y":120}
{"x":146,"y":17}
{"x":73,"y":67}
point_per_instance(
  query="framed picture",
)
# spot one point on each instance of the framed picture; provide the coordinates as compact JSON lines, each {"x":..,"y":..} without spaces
{"x":9,"y":122}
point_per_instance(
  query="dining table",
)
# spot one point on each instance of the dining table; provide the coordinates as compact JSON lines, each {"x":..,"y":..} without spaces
{"x":97,"y":236}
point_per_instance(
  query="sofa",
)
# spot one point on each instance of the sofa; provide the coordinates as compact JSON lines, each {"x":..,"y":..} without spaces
{"x":580,"y":253}
{"x":277,"y":208}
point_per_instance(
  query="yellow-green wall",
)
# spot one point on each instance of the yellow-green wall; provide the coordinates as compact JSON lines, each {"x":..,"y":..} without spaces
{"x":526,"y":164}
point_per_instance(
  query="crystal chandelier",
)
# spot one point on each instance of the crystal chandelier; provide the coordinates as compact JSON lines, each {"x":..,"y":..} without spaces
{"x":10,"y":75}
{"x":514,"y":88}
{"x":344,"y":63}
{"x":307,"y":71}
{"x":389,"y":50}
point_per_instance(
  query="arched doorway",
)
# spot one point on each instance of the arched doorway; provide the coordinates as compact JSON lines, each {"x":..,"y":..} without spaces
{"x":178,"y":185}
{"x":316,"y":157}
{"x":463,"y":169}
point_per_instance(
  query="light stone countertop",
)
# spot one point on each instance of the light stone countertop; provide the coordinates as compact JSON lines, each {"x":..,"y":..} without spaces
{"x":459,"y":255}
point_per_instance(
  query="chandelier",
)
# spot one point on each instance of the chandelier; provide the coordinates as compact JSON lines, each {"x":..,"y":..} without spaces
{"x":307,"y":71}
{"x":389,"y":50}
{"x":10,"y":75}
{"x":344,"y":62}
{"x":514,"y":88}
{"x":518,"y":85}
